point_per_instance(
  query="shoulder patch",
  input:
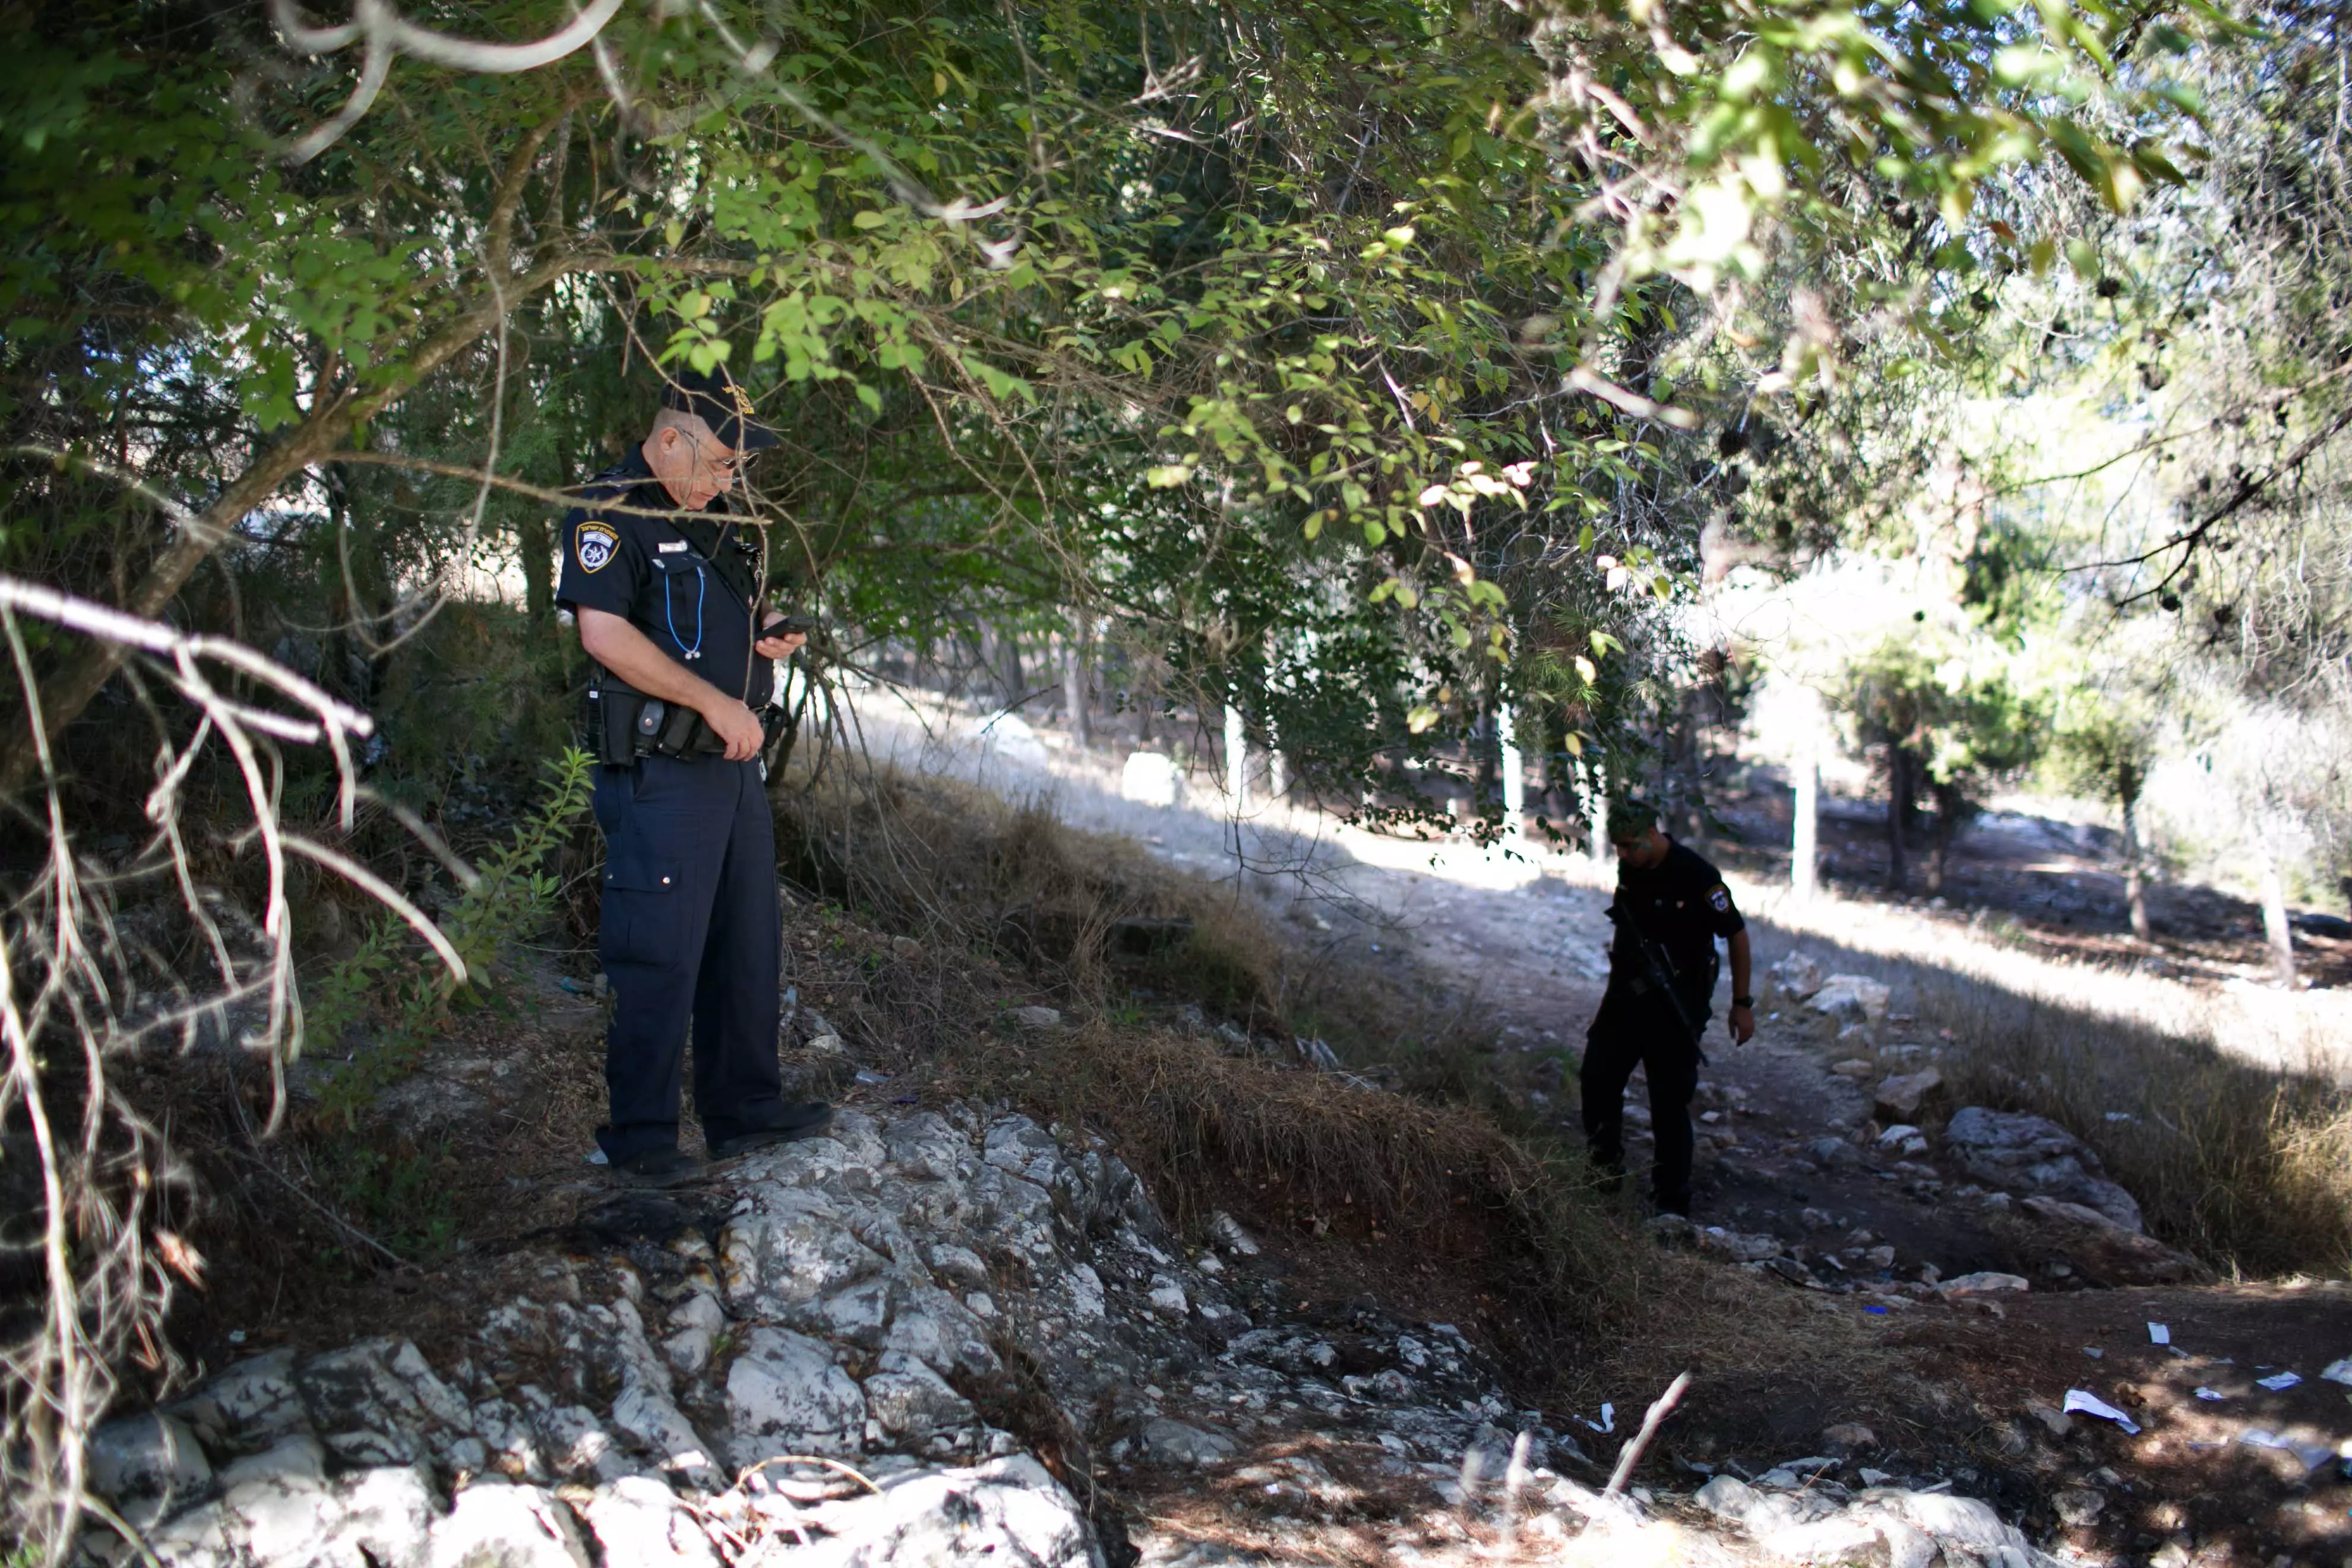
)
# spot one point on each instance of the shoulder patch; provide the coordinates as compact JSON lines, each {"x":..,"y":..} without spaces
{"x":1721,"y":900}
{"x":594,"y":543}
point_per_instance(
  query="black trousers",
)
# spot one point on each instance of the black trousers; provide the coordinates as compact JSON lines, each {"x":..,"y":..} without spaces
{"x":689,"y":935}
{"x":1643,"y":1031}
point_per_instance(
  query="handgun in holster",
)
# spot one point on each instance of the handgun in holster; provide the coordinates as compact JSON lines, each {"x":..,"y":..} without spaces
{"x":627,"y":724}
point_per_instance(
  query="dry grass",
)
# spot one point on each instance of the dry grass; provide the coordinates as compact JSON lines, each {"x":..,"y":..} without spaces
{"x":2247,"y":1167}
{"x":1001,"y":895}
{"x":2227,"y":1114}
{"x":1388,"y":1169}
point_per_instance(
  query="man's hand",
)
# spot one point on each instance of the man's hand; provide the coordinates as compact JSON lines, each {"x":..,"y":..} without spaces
{"x":776,"y":644}
{"x":1741,"y":1022}
{"x":737,"y":725}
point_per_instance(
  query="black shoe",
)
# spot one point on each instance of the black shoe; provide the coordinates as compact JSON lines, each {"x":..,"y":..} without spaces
{"x":657,"y":1168}
{"x":800,"y":1122}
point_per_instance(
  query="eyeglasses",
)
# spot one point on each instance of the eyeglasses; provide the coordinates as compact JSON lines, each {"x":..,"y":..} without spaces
{"x":727,"y":467}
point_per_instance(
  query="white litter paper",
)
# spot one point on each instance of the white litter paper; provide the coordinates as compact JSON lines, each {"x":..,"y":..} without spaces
{"x":2089,"y":1404}
{"x":1608,"y":1422}
{"x":2313,"y":1455}
{"x":2158,"y":1334}
{"x":2339,"y":1372}
{"x":2278,"y":1381}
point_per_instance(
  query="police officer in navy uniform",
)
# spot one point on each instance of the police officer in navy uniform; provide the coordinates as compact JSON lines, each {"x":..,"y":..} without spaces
{"x":665,"y":583}
{"x":1669,"y":896}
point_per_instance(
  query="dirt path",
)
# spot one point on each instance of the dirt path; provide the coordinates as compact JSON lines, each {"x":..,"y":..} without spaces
{"x":1789,"y":1149}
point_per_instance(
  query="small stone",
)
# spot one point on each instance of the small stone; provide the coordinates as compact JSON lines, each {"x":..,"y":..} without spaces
{"x":1035,"y":1020}
{"x":1900,"y":1097}
{"x":1796,"y":977}
{"x":1174,"y":1442}
{"x":2078,"y":1507}
{"x":1227,"y":1233}
{"x":1851,"y":999}
{"x":1849,"y":1437}
{"x":2059,"y":1424}
{"x":1852,"y":1066}
{"x":1168,"y":1298}
{"x":1741,"y":1248}
{"x":1987,"y":1282}
{"x":1879,"y":1256}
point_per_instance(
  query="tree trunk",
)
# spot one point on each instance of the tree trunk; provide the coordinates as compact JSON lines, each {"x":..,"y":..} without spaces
{"x":1898,"y":809}
{"x":1074,"y":684}
{"x":1592,"y":784}
{"x":2127,"y":787}
{"x":2274,"y":924}
{"x":1947,"y":818}
{"x":1515,"y":771}
{"x":1805,"y":857}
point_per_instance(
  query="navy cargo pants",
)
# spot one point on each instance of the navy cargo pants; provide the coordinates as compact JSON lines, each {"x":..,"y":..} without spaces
{"x":1641,"y":1031}
{"x":689,"y":936}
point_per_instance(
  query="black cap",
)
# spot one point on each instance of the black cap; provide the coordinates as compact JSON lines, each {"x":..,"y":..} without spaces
{"x":713,"y":398}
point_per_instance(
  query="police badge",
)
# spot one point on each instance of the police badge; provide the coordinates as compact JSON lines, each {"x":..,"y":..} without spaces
{"x":594,"y":543}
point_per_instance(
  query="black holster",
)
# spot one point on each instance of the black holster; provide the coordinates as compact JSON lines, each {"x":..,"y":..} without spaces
{"x":625,"y":724}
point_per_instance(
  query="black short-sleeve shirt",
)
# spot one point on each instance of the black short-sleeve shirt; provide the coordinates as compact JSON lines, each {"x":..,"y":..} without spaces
{"x":682,"y":581}
{"x":1682,"y":905}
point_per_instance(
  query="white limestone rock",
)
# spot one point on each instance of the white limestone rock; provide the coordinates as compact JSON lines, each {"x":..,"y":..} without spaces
{"x":793,"y":1246}
{"x":786,"y":1395}
{"x":913,"y":1404}
{"x":255,"y":1400}
{"x":2028,"y":1154}
{"x":1796,"y":977}
{"x":1178,"y":1443}
{"x":1151,"y":778}
{"x":1851,"y":999}
{"x":150,"y":1455}
{"x":1007,"y":1511}
{"x":498,"y":1526}
{"x":640,"y":1523}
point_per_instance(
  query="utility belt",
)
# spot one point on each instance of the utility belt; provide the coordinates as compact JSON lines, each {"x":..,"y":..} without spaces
{"x":625,"y":724}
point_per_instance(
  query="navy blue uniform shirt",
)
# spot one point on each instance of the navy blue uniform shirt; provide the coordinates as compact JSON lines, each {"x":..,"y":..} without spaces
{"x":1683,"y":906}
{"x":683,"y":581}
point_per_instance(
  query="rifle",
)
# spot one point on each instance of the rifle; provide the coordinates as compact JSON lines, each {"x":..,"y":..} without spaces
{"x":1659,"y":973}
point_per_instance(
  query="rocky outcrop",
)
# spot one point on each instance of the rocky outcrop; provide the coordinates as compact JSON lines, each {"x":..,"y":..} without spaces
{"x":849,"y":1354}
{"x":2101,"y":1251}
{"x":2032,"y":1155}
{"x":892,"y":1298}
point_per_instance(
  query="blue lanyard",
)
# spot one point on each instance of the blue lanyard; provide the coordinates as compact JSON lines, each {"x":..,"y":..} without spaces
{"x":700,"y":588}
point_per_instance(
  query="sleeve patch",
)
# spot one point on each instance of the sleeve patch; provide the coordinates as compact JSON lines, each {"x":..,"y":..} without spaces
{"x":1720,"y":900}
{"x":594,"y":543}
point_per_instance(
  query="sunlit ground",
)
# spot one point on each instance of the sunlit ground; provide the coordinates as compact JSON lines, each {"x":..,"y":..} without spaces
{"x":1283,"y":850}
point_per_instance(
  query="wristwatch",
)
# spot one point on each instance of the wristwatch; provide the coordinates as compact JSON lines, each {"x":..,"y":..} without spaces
{"x":1743,"y":1000}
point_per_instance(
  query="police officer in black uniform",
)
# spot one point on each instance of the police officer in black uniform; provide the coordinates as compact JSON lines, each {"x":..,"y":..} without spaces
{"x":1671,"y":906}
{"x":664,"y":584}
